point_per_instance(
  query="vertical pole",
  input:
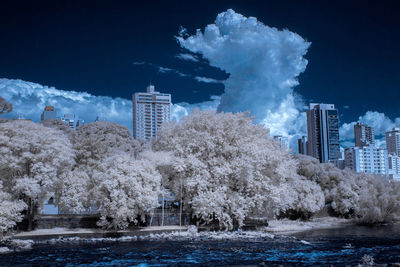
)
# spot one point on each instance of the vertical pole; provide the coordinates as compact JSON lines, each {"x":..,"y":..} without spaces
{"x":180,"y":206}
{"x":162,"y":216}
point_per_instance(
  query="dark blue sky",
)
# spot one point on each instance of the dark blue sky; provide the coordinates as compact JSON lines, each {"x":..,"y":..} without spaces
{"x":91,"y":45}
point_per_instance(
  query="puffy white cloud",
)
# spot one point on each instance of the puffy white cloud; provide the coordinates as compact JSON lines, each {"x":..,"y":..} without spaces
{"x":378,"y":120}
{"x":187,"y":57}
{"x":263,"y":63}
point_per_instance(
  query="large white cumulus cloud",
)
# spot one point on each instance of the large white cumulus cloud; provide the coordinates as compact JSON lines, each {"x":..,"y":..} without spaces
{"x":29,"y":100}
{"x":263,"y":64}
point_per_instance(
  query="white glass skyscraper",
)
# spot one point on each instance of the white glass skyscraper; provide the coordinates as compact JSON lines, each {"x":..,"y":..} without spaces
{"x":150,"y":110}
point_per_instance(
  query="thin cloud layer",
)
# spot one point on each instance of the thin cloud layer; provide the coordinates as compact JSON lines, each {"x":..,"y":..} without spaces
{"x":207,"y":80}
{"x":263,"y":63}
{"x":187,"y":57}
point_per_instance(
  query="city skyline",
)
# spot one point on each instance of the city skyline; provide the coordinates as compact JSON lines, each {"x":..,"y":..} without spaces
{"x":167,"y":59}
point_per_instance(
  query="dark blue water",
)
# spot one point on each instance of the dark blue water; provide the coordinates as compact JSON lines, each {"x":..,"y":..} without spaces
{"x":337,"y":247}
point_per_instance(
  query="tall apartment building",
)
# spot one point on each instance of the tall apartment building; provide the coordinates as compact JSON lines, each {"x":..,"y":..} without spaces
{"x":150,"y":110}
{"x":366,"y":159}
{"x":394,"y":167}
{"x":393,"y":141}
{"x":302,"y":145}
{"x":363,"y":135}
{"x":48,"y":113}
{"x":323,"y":132}
{"x":282,"y":141}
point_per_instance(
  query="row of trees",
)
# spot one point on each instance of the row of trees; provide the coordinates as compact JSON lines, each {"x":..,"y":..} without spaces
{"x":225,"y":168}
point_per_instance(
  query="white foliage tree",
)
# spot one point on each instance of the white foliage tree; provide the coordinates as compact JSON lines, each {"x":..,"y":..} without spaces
{"x":32,"y":159}
{"x":110,"y":177}
{"x":93,"y":143}
{"x":10,"y":211}
{"x":127,"y":190}
{"x":5,"y":106}
{"x":379,"y":202}
{"x":367,"y":198}
{"x":98,"y":140}
{"x":230,"y":168}
{"x":72,"y":193}
{"x":60,"y":125}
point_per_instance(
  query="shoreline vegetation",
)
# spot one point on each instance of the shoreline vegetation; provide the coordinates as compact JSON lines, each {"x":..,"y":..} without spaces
{"x":218,"y":170}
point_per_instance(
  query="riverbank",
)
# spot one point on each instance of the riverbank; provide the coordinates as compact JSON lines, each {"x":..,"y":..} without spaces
{"x":288,"y":227}
{"x":60,"y":232}
{"x":276,"y":227}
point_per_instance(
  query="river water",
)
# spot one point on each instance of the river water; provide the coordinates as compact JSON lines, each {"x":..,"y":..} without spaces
{"x":337,"y":247}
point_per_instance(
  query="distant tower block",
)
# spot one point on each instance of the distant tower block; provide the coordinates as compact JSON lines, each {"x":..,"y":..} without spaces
{"x":302,"y":145}
{"x":48,"y":113}
{"x":363,"y":135}
{"x":282,"y":141}
{"x":393,"y":141}
{"x":150,"y":110}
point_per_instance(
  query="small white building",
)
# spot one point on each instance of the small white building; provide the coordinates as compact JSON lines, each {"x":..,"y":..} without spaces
{"x":72,"y":120}
{"x":367,"y":159}
{"x":282,"y":141}
{"x":394,"y":167}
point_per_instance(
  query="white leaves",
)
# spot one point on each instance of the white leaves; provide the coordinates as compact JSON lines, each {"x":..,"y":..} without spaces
{"x":10,"y":211}
{"x":128,"y":189}
{"x":370,"y":199}
{"x":32,"y":157}
{"x":231,"y":168}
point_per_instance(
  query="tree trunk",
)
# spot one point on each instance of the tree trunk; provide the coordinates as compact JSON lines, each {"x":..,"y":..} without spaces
{"x":30,"y":215}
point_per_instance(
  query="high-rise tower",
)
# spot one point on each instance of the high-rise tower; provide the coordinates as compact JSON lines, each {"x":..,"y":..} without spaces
{"x":150,"y":110}
{"x":323,"y":132}
{"x":363,"y":135}
{"x":393,"y":141}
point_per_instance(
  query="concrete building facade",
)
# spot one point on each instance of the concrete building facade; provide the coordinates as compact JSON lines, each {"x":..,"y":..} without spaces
{"x":150,"y":110}
{"x":302,"y":145}
{"x":394,"y":167}
{"x":282,"y":141}
{"x":366,"y":159}
{"x":72,"y":120}
{"x":49,"y":113}
{"x":363,"y":135}
{"x":393,"y":141}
